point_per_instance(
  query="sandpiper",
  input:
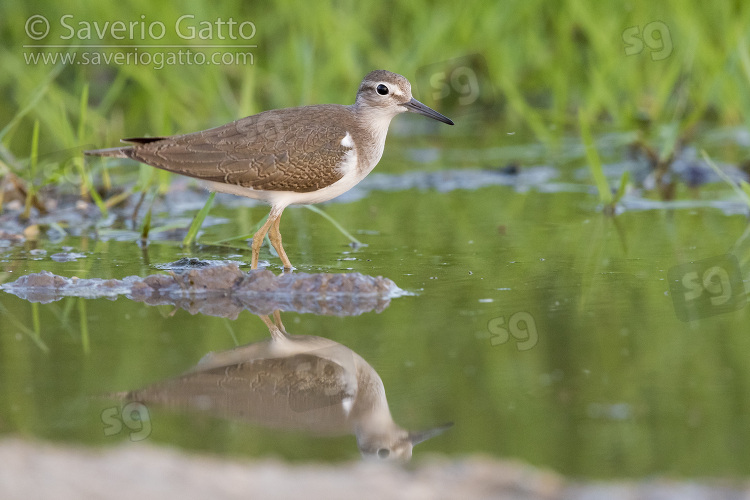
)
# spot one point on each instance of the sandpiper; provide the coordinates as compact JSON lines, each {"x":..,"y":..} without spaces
{"x":298,"y":382}
{"x":301,"y":155}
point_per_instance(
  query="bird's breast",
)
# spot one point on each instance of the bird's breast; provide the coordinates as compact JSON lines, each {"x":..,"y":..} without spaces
{"x":369,"y":150}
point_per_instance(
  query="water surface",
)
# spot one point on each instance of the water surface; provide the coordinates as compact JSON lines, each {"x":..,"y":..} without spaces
{"x":545,"y":330}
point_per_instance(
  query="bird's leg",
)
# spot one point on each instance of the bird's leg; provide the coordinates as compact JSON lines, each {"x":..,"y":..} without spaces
{"x":258,"y":238}
{"x":267,"y":320}
{"x":275,"y":236}
{"x":277,"y":320}
{"x":276,"y":330}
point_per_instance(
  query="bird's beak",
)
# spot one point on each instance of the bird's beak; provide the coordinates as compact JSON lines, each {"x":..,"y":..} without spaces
{"x":421,"y":436}
{"x":417,"y":107}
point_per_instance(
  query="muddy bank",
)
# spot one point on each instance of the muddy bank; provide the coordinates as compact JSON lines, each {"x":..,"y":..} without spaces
{"x":222,"y":290}
{"x":143,"y":471}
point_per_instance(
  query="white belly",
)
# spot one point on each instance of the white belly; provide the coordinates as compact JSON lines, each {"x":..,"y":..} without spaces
{"x":351,"y":176}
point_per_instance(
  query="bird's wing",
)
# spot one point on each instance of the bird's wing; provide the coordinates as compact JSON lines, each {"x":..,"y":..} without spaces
{"x":298,"y":392}
{"x":280,"y":150}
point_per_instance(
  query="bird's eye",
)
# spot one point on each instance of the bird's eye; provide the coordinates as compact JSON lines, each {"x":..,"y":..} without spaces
{"x":382,"y":89}
{"x":383,"y":452}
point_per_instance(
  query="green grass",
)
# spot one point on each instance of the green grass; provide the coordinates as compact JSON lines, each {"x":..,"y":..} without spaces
{"x":545,"y":61}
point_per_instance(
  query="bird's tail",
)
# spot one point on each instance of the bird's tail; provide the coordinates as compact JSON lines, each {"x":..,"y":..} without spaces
{"x":120,"y":152}
{"x":120,"y":396}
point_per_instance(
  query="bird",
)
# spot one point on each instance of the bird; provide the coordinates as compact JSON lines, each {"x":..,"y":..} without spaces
{"x":303,"y":155}
{"x":293,"y":382}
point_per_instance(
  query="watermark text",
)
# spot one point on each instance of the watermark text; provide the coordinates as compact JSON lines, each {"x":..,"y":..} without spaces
{"x":707,"y":287}
{"x":133,"y":416}
{"x":520,"y":327}
{"x":655,"y":36}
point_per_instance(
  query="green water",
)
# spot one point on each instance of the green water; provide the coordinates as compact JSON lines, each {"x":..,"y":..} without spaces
{"x":596,"y":376}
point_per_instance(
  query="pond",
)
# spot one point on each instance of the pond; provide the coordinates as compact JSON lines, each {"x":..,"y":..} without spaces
{"x":546,"y":331}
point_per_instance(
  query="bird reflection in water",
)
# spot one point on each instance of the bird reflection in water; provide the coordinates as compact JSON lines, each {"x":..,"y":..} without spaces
{"x":293,"y":382}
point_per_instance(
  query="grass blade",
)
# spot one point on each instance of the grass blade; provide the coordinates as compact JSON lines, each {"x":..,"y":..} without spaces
{"x":82,"y":111}
{"x":746,"y":188}
{"x":198,"y":221}
{"x":84,"y":322}
{"x":20,"y":325}
{"x":146,"y":226}
{"x":87,"y":187}
{"x":593,"y":160}
{"x":743,"y":189}
{"x":33,"y":159}
{"x":624,"y":180}
{"x":336,"y":225}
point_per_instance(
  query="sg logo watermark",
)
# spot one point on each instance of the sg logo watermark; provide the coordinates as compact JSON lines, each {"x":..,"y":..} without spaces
{"x":655,"y":36}
{"x":457,"y":86}
{"x":133,"y":415}
{"x":520,"y":326}
{"x":707,"y":287}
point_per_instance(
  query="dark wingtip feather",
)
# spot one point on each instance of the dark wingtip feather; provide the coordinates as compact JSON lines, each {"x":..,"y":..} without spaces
{"x":142,"y":140}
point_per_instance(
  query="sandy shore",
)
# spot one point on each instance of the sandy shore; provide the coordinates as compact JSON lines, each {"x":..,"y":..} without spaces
{"x":32,"y":470}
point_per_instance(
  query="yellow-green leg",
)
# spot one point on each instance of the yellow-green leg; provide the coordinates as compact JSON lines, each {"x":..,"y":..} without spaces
{"x":271,"y":227}
{"x":275,"y":237}
{"x":258,"y":239}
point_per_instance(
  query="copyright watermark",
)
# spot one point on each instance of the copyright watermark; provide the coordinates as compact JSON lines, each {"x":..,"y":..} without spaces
{"x":37,"y":27}
{"x":186,"y":27}
{"x":459,"y":86}
{"x":139,"y":41}
{"x":133,"y":416}
{"x":136,"y":57}
{"x":655,"y":36}
{"x":707,"y":287}
{"x":519,"y":326}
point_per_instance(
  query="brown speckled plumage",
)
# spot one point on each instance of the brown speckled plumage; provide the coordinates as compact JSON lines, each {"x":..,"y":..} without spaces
{"x":278,"y":150}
